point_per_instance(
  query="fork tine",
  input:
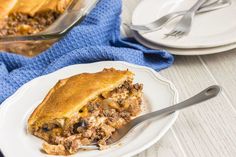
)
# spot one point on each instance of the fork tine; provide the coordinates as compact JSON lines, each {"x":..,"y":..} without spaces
{"x":179,"y":34}
{"x":169,"y":34}
{"x":182,"y":34}
{"x":175,"y":34}
{"x":172,"y":33}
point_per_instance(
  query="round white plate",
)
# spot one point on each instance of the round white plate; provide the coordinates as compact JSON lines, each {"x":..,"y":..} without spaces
{"x":186,"y":52}
{"x":158,"y":93}
{"x":215,"y":28}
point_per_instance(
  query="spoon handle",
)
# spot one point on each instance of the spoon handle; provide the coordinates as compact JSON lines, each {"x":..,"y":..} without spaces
{"x":204,"y":95}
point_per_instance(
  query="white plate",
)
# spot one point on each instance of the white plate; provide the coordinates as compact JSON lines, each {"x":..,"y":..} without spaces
{"x":158,"y":93}
{"x":210,"y":29}
{"x":186,"y":52}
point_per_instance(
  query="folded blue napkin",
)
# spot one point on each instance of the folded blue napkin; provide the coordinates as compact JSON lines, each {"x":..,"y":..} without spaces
{"x":97,"y":38}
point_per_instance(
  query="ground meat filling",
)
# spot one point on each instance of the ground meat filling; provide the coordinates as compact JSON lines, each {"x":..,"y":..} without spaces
{"x":24,"y":24}
{"x":98,"y":120}
{"x":19,"y":23}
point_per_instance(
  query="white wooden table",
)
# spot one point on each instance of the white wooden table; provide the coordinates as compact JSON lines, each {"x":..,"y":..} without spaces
{"x":206,"y":130}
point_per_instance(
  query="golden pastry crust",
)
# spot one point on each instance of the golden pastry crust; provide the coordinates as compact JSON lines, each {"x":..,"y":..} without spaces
{"x":5,"y":7}
{"x":69,"y":95}
{"x":32,"y":7}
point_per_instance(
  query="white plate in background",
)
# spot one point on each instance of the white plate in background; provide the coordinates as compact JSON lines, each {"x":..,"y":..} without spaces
{"x":211,"y":29}
{"x":186,"y":52}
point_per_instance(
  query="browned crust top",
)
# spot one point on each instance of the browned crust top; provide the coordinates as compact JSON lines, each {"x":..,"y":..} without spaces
{"x":69,"y":95}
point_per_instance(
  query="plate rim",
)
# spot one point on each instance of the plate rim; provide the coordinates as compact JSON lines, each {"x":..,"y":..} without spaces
{"x":212,"y":50}
{"x":170,"y":85}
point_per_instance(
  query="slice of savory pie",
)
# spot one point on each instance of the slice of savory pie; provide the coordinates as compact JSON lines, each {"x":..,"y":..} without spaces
{"x":84,"y":109}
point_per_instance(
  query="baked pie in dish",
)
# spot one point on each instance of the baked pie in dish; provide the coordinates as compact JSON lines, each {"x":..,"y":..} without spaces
{"x":20,"y":19}
{"x":24,"y":17}
{"x":84,"y":109}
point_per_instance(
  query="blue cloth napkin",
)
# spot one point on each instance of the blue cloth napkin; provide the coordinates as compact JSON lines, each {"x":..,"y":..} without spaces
{"x":97,"y":38}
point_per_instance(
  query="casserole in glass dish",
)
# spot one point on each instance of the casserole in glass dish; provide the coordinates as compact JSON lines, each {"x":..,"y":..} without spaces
{"x":28,"y":27}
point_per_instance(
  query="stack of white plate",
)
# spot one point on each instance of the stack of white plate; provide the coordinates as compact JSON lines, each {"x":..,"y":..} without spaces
{"x":211,"y":32}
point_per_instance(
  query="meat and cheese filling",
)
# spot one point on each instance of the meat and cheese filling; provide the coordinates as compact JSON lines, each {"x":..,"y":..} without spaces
{"x":25,"y":17}
{"x":24,"y":24}
{"x":95,"y":122}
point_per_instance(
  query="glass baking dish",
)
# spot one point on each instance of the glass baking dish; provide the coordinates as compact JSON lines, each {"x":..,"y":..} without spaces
{"x":32,"y":45}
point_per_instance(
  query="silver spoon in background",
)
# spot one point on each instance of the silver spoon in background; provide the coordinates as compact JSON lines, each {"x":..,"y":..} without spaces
{"x":162,"y":21}
{"x":204,"y":95}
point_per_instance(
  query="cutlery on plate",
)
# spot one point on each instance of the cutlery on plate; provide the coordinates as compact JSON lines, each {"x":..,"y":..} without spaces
{"x":183,"y":27}
{"x":204,"y":95}
{"x":162,"y":21}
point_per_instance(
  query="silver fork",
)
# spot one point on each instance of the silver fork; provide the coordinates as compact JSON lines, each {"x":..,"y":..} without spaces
{"x":162,"y":21}
{"x":183,"y":27}
{"x":204,"y":95}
